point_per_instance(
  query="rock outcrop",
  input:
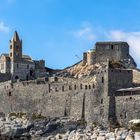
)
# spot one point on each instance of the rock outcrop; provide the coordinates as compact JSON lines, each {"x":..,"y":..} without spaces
{"x":31,"y":128}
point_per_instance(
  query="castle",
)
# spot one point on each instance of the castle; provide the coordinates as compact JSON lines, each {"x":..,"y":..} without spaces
{"x":103,"y":88}
{"x":111,"y":51}
{"x":19,"y":66}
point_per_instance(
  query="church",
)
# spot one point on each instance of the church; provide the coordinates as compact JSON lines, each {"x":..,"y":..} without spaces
{"x":20,"y":66}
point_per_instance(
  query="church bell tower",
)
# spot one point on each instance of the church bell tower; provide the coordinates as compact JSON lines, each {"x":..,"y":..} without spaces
{"x":15,"y":48}
{"x":15,"y":55}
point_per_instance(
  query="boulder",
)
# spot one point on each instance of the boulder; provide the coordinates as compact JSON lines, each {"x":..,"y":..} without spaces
{"x":100,"y":138}
{"x":134,"y":125}
{"x":129,"y":137}
{"x":137,"y":135}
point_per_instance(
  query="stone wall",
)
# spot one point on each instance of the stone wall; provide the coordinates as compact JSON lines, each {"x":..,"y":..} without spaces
{"x":5,"y":77}
{"x":21,"y":70}
{"x":112,"y":51}
{"x":98,"y":103}
{"x":119,"y":78}
{"x":53,"y":99}
{"x":127,"y":106}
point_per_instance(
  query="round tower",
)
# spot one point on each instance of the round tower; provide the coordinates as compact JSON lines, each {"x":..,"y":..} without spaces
{"x":90,"y":57}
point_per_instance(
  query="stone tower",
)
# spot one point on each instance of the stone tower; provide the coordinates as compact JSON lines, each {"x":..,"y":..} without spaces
{"x":90,"y":57}
{"x":15,"y":55}
{"x":15,"y":48}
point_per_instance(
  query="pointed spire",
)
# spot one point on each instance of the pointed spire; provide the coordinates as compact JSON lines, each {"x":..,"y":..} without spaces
{"x":15,"y":37}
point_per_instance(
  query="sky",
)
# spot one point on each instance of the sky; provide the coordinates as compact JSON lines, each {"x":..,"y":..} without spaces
{"x":59,"y":31}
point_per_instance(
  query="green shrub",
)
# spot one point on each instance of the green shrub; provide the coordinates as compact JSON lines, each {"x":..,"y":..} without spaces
{"x":37,"y":116}
{"x":18,"y":115}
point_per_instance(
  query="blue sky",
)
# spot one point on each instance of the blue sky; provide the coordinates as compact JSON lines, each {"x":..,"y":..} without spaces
{"x":58,"y":31}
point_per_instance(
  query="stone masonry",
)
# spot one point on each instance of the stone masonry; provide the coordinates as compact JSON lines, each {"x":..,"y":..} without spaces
{"x":20,"y":66}
{"x":103,"y":88}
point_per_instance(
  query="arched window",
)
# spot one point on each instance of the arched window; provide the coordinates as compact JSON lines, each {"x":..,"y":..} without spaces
{"x":89,"y":86}
{"x":16,"y":77}
{"x":10,"y":54}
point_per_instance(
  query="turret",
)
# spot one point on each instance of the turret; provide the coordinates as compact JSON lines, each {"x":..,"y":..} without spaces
{"x":88,"y":57}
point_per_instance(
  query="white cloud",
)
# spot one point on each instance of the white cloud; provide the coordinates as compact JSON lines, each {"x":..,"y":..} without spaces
{"x":85,"y":33}
{"x":88,"y":33}
{"x":133,"y":39}
{"x":4,"y":28}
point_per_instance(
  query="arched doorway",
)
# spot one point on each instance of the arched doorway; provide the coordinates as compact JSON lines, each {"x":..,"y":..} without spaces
{"x":16,"y":77}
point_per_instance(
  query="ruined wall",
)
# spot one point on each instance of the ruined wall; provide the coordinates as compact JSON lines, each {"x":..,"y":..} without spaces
{"x":127,"y":106}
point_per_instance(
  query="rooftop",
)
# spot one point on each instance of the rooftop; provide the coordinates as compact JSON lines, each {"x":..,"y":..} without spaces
{"x":15,"y":37}
{"x":112,"y":43}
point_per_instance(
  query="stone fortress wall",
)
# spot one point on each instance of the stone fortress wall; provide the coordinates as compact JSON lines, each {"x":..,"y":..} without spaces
{"x":112,"y":79}
{"x":97,"y":102}
{"x":127,"y":105}
{"x":50,"y":98}
{"x":55,"y":97}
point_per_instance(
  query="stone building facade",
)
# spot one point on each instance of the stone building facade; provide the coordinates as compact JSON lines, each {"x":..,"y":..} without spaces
{"x":18,"y":65}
